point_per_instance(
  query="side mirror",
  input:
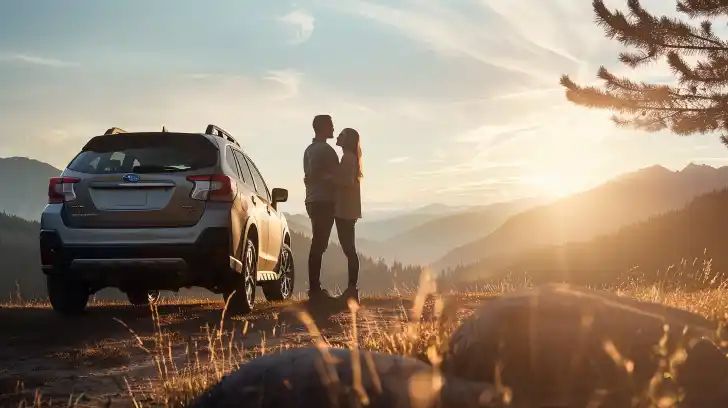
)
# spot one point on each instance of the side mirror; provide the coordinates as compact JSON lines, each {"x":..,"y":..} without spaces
{"x":279,"y":195}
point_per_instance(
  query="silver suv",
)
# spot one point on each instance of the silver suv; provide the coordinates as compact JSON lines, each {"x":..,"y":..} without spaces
{"x":150,"y":211}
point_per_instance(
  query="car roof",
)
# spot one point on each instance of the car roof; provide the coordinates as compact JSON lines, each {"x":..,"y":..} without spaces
{"x":210,"y":130}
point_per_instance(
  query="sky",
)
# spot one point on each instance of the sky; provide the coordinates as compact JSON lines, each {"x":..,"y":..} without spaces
{"x":457,"y":102}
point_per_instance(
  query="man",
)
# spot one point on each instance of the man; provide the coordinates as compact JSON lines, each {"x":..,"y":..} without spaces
{"x":320,"y":163}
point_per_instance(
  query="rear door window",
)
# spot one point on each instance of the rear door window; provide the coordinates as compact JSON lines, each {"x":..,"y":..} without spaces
{"x":145,"y":153}
{"x":260,"y":185}
{"x":247,"y":175}
{"x":230,"y":159}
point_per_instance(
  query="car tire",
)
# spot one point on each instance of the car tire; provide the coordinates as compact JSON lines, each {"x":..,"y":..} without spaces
{"x":67,"y":297}
{"x":281,"y":288}
{"x":243,"y":300}
{"x":142,"y":297}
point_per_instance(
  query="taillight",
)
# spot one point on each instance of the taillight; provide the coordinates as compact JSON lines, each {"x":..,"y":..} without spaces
{"x":215,"y":187}
{"x":60,"y":189}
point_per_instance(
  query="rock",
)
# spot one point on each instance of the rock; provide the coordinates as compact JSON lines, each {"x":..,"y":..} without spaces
{"x":300,"y":378}
{"x":564,"y":345}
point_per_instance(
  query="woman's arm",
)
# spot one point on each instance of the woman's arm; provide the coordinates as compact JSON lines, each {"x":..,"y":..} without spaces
{"x":347,"y":171}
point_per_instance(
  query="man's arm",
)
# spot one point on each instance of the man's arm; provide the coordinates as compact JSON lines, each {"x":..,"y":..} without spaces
{"x":306,"y":165}
{"x":319,"y":164}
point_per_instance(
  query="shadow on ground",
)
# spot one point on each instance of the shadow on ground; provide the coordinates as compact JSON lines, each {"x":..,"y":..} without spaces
{"x":98,"y":352}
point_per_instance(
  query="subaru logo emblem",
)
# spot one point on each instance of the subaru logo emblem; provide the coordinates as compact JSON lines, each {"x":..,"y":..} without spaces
{"x":131,"y":178}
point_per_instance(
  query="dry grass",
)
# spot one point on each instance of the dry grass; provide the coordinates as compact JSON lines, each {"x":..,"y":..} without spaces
{"x":187,"y":367}
{"x":408,"y":334}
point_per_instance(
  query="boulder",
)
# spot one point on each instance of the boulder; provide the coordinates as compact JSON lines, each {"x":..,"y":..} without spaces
{"x":310,"y":378}
{"x":562,"y":345}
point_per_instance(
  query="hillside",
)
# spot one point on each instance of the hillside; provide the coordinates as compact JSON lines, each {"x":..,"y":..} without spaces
{"x":679,"y":240}
{"x":20,"y":265}
{"x":373,"y":213}
{"x":382,"y":230}
{"x":428,"y":242}
{"x":24,"y":195}
{"x":19,"y":257}
{"x":606,"y":208}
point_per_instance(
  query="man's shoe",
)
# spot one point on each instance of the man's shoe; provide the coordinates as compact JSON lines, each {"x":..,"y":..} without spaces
{"x":319,"y":295}
{"x":351,"y":293}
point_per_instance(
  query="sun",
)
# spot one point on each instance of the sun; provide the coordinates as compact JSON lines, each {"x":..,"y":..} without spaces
{"x":557,"y":185}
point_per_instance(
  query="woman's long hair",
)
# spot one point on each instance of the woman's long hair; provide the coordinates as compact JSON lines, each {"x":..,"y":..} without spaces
{"x":352,"y":144}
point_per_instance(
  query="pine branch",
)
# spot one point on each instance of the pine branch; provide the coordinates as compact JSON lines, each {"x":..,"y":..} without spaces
{"x":705,"y":8}
{"x":654,"y":37}
{"x":652,"y":107}
{"x":699,"y":101}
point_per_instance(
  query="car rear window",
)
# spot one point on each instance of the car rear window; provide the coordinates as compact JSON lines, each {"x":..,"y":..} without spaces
{"x":145,"y":153}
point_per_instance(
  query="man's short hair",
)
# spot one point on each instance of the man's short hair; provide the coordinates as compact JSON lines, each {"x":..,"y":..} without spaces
{"x":321,"y":120}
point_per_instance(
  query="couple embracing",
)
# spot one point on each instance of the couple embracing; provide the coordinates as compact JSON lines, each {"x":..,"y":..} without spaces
{"x":333,"y":195}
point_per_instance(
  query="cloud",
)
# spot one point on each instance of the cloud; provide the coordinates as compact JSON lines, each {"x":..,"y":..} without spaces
{"x":709,"y":159}
{"x":396,"y":160}
{"x":483,"y":35}
{"x":259,"y":111}
{"x":302,"y":21}
{"x":55,"y":137}
{"x":488,"y":135}
{"x":203,"y":75}
{"x":473,"y":166}
{"x":290,"y":79}
{"x":491,"y":185}
{"x":36,"y":60}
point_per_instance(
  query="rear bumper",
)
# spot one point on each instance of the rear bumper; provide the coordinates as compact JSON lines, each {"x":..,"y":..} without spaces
{"x":154,"y":266}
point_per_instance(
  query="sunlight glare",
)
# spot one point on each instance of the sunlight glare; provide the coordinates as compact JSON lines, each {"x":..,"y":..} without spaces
{"x":557,"y":185}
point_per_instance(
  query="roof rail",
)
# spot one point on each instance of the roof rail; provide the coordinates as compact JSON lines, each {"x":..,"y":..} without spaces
{"x":217,"y":131}
{"x":114,"y":131}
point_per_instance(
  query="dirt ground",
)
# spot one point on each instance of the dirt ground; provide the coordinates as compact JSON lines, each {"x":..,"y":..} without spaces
{"x":99,"y":357}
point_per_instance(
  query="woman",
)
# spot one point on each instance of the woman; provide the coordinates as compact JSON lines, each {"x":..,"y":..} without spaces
{"x":348,"y":204}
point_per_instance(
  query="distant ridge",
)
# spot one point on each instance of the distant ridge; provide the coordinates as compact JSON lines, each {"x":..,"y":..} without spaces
{"x":673,"y":248}
{"x":24,"y":186}
{"x":631,"y":197}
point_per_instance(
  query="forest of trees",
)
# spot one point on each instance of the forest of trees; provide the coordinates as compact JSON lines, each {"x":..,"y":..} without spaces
{"x":697,"y":102}
{"x":684,"y":248}
{"x":20,"y":272}
{"x":19,"y":258}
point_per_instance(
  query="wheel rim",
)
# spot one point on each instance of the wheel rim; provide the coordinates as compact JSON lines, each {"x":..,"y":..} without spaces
{"x":249,"y":278}
{"x":286,"y":279}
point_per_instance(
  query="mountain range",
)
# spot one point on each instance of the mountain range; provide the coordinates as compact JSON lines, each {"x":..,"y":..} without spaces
{"x":682,"y":248}
{"x":25,"y":193}
{"x":624,"y":200}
